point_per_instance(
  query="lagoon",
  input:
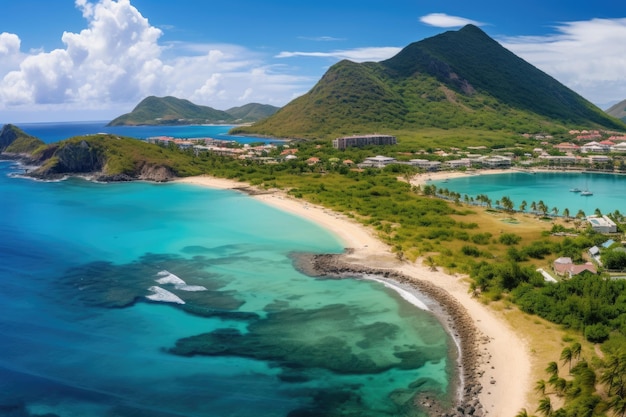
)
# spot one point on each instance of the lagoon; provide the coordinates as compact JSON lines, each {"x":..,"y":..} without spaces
{"x":553,"y":188}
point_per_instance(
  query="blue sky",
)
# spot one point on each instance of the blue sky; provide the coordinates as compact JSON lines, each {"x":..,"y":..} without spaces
{"x":69,"y":60}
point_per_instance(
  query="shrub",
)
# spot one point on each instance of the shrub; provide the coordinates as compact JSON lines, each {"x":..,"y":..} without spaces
{"x":509,"y":239}
{"x":596,"y":333}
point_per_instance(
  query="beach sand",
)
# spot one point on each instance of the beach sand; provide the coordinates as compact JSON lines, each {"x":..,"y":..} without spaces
{"x":504,"y":367}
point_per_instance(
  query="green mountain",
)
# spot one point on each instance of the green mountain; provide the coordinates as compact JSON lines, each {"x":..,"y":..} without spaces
{"x":618,"y":110}
{"x":458,"y":79}
{"x":14,"y":140}
{"x":251,"y":112}
{"x":175,"y":111}
{"x":170,"y":111}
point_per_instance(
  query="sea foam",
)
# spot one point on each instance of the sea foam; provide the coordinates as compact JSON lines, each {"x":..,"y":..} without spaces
{"x":406,"y":295}
{"x":178,"y":283}
{"x":163,"y":295}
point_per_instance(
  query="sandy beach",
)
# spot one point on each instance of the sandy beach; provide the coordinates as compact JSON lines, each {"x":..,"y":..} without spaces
{"x":504,"y":368}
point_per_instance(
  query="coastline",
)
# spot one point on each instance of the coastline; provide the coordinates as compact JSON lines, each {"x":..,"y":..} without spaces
{"x":493,"y":356}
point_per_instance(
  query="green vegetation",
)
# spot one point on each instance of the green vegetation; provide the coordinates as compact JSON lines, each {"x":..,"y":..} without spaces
{"x":451,"y":81}
{"x":15,"y":140}
{"x":171,"y":110}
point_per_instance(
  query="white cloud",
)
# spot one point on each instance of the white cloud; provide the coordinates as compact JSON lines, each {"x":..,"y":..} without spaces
{"x":587,"y":56}
{"x":357,"y":54}
{"x":442,"y":20}
{"x":117,"y":60}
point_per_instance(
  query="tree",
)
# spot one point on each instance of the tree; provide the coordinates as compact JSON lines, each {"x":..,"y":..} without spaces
{"x":533,"y":206}
{"x":580,"y":214}
{"x":432,"y":265}
{"x":555,"y":211}
{"x":567,"y":356}
{"x":597,"y":212}
{"x":566,"y":213}
{"x":522,"y":207}
{"x":540,"y":387}
{"x":576,"y":350}
{"x":545,"y":407}
{"x":553,"y":369}
{"x":507,"y":204}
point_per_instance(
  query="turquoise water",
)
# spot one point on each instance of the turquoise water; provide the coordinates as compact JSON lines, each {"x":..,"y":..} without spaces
{"x":552,"y":188}
{"x":78,"y":337}
{"x":54,"y":132}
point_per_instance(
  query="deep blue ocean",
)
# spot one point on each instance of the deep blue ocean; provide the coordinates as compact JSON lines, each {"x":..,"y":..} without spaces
{"x":54,"y":132}
{"x":255,"y":337}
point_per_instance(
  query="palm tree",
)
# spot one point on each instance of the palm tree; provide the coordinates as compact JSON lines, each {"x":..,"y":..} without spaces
{"x":540,"y":387}
{"x":553,"y":369}
{"x":545,"y":406}
{"x":432,"y":265}
{"x":533,"y":206}
{"x":566,"y":356}
{"x":522,"y":207}
{"x":507,"y":203}
{"x":522,"y":413}
{"x":576,"y":350}
{"x":618,"y":405}
{"x":580,"y":214}
{"x":566,"y":213}
{"x":597,"y":212}
{"x":555,"y":211}
{"x":542,"y":207}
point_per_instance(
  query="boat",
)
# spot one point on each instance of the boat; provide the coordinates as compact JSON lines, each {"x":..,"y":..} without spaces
{"x":575,"y":190}
{"x":586,"y":193}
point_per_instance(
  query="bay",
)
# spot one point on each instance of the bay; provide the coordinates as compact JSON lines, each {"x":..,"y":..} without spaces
{"x":79,"y":337}
{"x":553,"y":188}
{"x":54,"y":132}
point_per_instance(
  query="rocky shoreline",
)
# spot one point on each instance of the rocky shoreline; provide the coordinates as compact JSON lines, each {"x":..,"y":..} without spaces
{"x":451,"y":313}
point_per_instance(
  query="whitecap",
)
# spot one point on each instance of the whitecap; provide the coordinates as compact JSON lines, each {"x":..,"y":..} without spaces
{"x":185,"y":287}
{"x":169,"y":278}
{"x":163,"y":295}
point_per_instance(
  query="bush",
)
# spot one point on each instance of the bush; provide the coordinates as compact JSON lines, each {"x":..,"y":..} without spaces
{"x":470,"y":251}
{"x":509,"y":239}
{"x":596,"y":333}
{"x":481,"y":238}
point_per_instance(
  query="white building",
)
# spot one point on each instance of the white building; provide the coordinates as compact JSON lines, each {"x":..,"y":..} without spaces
{"x":378,"y":161}
{"x":602,"y":224}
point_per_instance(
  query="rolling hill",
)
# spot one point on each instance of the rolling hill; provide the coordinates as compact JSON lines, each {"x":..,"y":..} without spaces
{"x":174,"y":111}
{"x":458,"y":79}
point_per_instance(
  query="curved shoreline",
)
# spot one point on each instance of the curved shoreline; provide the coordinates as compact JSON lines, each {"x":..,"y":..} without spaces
{"x":497,"y":357}
{"x":451,"y":314}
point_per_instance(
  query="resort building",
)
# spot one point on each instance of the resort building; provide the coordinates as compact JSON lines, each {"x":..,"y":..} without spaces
{"x":377,"y":162}
{"x":602,"y":224}
{"x":558,"y":160}
{"x":425,"y":164}
{"x":599,"y":159}
{"x":619,"y":148}
{"x":365,"y":140}
{"x":495,"y":161}
{"x":459,"y":163}
{"x":594,"y":147}
{"x":567,"y":147}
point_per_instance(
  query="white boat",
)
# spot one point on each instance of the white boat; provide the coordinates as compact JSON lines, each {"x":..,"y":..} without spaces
{"x":575,"y":190}
{"x":586,"y":193}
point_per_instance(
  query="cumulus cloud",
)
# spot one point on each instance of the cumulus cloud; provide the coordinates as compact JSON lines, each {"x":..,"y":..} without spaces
{"x":442,"y":20}
{"x":587,"y":56}
{"x":357,"y":54}
{"x":118,"y":60}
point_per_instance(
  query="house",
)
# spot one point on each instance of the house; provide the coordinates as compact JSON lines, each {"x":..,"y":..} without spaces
{"x":313,"y":160}
{"x":566,"y":268}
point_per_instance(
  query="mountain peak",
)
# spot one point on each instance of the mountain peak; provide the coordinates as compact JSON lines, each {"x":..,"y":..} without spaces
{"x":455,"y":79}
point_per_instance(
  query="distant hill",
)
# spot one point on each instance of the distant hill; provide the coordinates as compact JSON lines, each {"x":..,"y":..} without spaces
{"x":252,"y":112}
{"x":14,"y":140}
{"x":174,"y":111}
{"x":458,"y":79}
{"x":618,"y":110}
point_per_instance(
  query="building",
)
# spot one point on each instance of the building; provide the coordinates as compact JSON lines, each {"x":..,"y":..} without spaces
{"x":495,"y":161}
{"x":566,"y":268}
{"x":602,"y":224}
{"x":425,"y":164}
{"x":377,"y":161}
{"x":365,"y":140}
{"x":459,"y":163}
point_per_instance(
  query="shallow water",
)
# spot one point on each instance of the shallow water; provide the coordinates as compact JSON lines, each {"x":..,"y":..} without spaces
{"x":79,"y":337}
{"x":553,"y":188}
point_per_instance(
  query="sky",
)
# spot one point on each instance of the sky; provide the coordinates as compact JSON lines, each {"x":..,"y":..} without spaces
{"x":90,"y":60}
